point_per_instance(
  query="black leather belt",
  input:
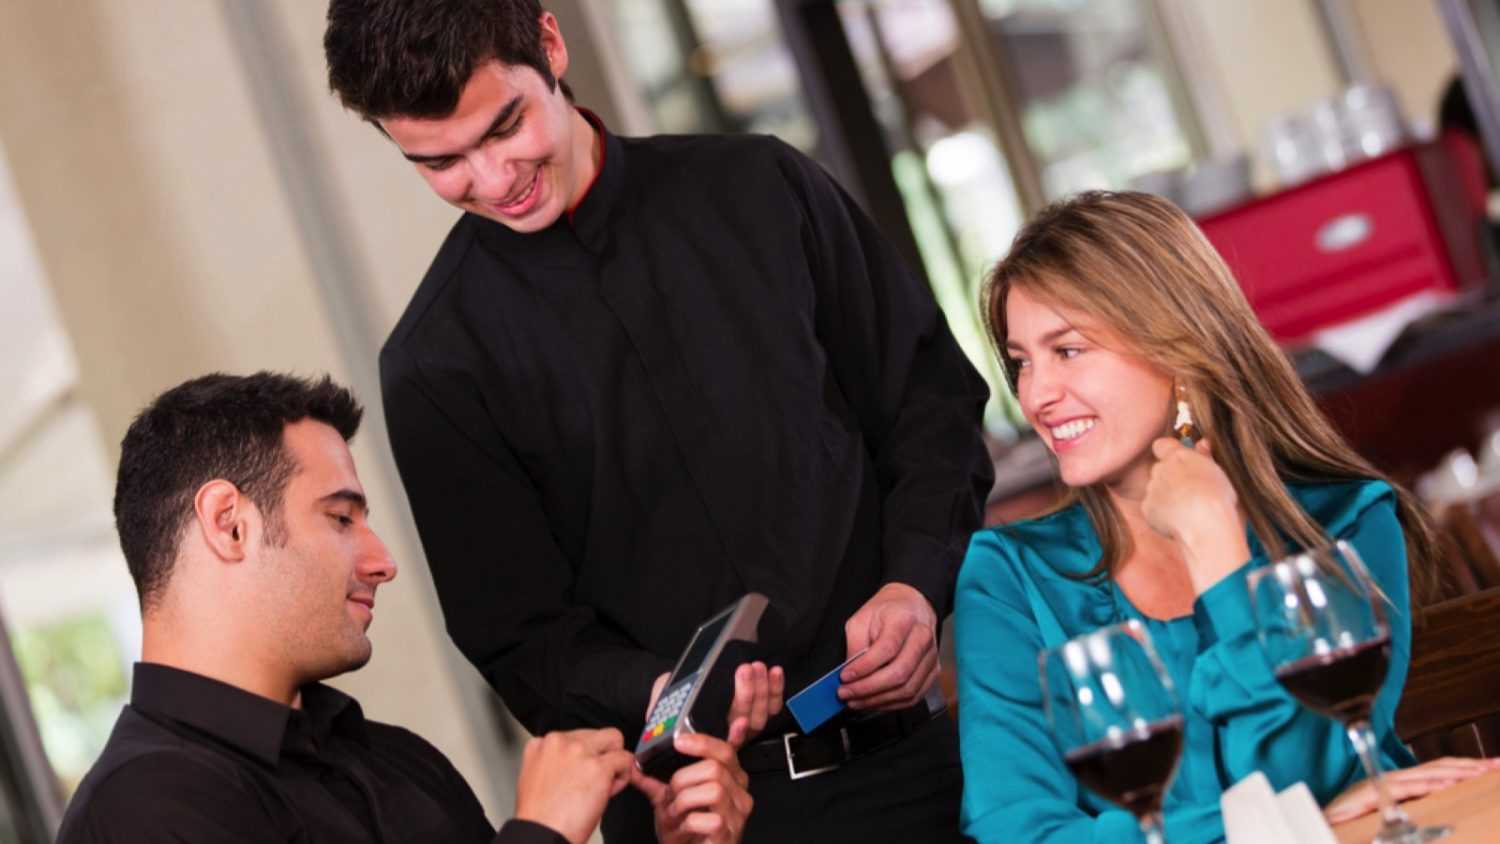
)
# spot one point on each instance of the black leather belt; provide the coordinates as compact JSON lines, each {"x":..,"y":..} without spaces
{"x":804,"y":755}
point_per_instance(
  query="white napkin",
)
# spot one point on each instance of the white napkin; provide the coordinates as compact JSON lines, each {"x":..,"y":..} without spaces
{"x":1254,"y":814}
{"x":1361,"y":343}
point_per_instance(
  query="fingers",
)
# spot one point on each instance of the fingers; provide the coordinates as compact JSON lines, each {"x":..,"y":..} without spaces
{"x":910,"y":691}
{"x":656,"y":689}
{"x":885,"y":648}
{"x":698,"y":796}
{"x":1408,"y":784}
{"x":751,"y":695}
{"x":619,"y":763}
{"x":599,"y":741}
{"x":903,"y":677}
{"x":703,"y":824}
{"x":656,"y":791}
{"x":1351,"y":805}
{"x":708,"y":798}
{"x":1164,"y":447}
{"x":1409,"y":789}
{"x":718,"y":758}
{"x":1454,"y":768}
{"x":775,"y":696}
{"x":857,"y":648}
{"x":739,"y":732}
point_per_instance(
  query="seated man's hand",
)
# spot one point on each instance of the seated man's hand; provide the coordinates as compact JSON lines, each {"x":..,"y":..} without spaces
{"x":758,"y":692}
{"x":708,"y":801}
{"x":568,"y":777}
{"x":1407,"y":784}
{"x":897,"y":630}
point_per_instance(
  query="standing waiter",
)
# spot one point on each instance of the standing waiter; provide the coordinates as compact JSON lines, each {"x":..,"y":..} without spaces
{"x":645,"y":376}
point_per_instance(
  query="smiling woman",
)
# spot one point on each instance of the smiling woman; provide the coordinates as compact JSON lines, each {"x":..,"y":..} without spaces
{"x":1112,"y":313}
{"x":1095,"y":404}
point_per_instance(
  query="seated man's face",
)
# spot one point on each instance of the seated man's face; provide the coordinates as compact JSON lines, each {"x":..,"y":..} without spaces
{"x":319,"y":576}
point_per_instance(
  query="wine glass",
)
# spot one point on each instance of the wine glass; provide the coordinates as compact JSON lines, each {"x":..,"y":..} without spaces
{"x":1111,"y":706}
{"x":1325,"y":636}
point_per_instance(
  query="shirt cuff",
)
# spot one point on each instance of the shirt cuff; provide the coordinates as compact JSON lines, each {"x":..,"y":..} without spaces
{"x":528,"y":832}
{"x":925,"y":567}
{"x":1224,"y":611}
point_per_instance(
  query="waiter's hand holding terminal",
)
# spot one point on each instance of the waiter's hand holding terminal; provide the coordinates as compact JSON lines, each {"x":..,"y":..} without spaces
{"x":897,"y":630}
{"x":758,"y":695}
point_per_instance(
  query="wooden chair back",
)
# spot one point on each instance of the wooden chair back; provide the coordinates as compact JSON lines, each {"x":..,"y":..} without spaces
{"x":1468,"y":526}
{"x":1452,"y":696}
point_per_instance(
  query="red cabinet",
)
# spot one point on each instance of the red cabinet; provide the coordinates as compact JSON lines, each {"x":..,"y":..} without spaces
{"x":1351,"y":242}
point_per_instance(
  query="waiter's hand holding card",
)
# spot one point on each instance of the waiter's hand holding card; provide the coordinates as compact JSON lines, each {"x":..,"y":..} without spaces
{"x":892,"y":642}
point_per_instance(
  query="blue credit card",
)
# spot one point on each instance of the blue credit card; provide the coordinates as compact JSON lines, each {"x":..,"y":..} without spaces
{"x":814,"y":705}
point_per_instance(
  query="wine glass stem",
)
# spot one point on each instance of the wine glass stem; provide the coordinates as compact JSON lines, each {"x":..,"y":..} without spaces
{"x":1151,"y":828}
{"x":1363,"y":739}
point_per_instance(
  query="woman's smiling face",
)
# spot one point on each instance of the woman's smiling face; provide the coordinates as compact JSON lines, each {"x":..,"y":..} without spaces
{"x":1096,"y":406}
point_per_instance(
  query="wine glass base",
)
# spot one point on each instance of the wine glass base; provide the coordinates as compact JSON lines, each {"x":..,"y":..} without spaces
{"x":1409,"y":834}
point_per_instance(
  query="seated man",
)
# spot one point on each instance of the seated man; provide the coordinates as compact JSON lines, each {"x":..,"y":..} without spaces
{"x":245,"y":528}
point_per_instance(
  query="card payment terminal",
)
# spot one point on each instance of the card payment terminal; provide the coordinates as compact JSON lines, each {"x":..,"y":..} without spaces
{"x":698,"y":694}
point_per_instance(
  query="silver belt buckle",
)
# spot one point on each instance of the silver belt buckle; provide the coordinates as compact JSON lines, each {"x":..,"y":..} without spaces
{"x":791,"y":762}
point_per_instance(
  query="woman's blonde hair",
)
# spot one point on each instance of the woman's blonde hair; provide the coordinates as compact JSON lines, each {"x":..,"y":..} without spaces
{"x":1139,"y":265}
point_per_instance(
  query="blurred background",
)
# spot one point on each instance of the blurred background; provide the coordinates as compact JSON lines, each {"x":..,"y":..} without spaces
{"x":180,"y":194}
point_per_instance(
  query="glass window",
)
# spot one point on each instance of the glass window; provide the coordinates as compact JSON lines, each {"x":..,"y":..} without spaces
{"x":1096,"y":88}
{"x":65,"y":594}
{"x":958,"y":191}
{"x":714,"y":66}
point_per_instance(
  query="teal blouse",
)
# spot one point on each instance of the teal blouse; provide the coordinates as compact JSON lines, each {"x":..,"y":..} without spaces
{"x":1015,"y":598}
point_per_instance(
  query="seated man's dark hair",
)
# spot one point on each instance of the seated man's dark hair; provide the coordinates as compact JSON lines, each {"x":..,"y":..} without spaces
{"x":412,"y":58}
{"x":215,"y":427}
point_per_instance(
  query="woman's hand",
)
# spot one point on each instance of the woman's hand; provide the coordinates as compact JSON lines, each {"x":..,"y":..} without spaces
{"x":1407,"y":784}
{"x":1190,"y":499}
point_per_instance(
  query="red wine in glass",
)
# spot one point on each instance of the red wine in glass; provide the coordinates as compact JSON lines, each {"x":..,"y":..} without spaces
{"x":1115,"y":717}
{"x":1323,"y":630}
{"x":1134,"y":773}
{"x":1342,"y":683}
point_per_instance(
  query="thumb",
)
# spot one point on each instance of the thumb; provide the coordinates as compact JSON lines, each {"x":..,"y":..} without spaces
{"x":656,"y":688}
{"x":738,"y":731}
{"x":857,"y":633}
{"x":655,"y":790}
{"x":877,"y":624}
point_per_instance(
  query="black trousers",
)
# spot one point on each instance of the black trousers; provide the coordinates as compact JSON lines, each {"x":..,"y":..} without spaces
{"x":907,"y":793}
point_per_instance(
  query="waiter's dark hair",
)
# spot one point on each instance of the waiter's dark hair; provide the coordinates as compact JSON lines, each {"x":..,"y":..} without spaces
{"x":215,"y":427}
{"x":412,"y":58}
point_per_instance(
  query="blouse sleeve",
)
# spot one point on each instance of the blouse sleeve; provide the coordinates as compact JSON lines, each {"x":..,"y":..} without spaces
{"x":1259,"y":726}
{"x":1016,"y":785}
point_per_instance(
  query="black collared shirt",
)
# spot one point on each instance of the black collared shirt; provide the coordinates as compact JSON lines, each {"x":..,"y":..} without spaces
{"x":713,"y":377}
{"x":195,"y":760}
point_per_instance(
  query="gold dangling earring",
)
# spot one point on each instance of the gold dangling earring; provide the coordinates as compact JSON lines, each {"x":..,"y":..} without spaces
{"x":1187,"y":432}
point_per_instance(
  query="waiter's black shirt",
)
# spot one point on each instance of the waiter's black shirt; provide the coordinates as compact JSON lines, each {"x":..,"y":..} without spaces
{"x":195,"y":760}
{"x":712,"y":377}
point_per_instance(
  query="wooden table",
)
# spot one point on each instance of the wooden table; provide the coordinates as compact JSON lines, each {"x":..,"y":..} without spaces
{"x":1472,"y":808}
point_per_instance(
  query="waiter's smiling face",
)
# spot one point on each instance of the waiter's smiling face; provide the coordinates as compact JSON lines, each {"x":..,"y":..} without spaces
{"x":514,"y":150}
